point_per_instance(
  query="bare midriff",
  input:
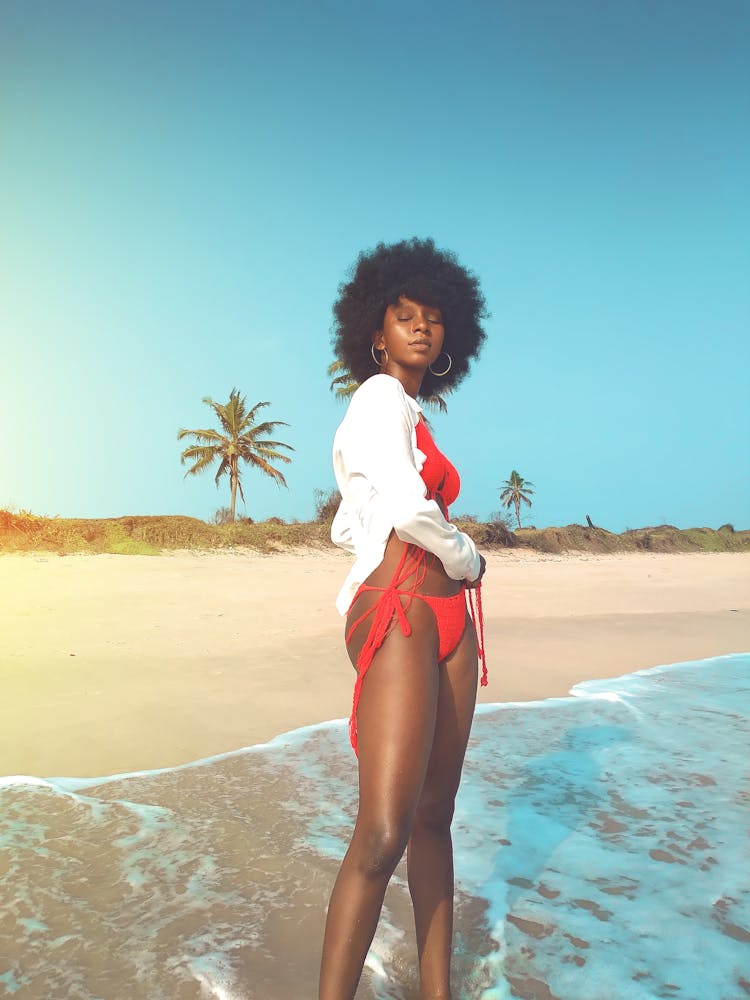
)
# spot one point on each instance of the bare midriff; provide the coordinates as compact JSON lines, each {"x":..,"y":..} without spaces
{"x":435,"y":583}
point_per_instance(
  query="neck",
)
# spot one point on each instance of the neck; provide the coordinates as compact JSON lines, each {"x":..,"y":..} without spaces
{"x":409,"y":378}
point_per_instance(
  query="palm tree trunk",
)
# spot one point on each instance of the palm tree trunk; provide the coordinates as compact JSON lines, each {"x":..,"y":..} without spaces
{"x":233,"y":481}
{"x":517,"y":502}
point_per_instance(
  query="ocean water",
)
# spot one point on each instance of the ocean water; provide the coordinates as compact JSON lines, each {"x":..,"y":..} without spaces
{"x":601,"y":846}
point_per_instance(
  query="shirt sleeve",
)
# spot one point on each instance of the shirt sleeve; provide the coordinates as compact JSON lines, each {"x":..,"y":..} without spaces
{"x":341,"y":530}
{"x":380,"y":439}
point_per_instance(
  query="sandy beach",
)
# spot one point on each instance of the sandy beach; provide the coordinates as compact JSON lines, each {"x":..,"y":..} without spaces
{"x":114,"y":663}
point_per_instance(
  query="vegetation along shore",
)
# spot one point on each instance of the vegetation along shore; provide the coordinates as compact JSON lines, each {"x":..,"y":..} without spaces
{"x":150,"y":535}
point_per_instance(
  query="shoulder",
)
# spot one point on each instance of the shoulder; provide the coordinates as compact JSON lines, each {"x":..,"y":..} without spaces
{"x":381,"y":391}
{"x":379,"y":387}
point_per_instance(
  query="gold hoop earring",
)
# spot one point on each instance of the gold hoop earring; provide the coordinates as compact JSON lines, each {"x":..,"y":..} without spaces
{"x":382,"y":351}
{"x":450,"y":365}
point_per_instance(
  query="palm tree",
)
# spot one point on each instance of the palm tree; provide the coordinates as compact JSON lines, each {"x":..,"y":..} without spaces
{"x":243,"y":438}
{"x":514,"y":490}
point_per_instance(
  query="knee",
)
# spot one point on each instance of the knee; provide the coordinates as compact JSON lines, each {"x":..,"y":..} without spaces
{"x":436,"y":815}
{"x":380,"y":849}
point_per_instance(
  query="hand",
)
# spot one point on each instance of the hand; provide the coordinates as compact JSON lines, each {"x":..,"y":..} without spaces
{"x":471,"y":584}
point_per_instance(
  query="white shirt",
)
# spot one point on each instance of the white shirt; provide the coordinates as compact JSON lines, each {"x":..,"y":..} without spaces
{"x":377,"y":464}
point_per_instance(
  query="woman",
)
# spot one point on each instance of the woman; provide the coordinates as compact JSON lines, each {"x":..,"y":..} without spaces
{"x":407,"y":325}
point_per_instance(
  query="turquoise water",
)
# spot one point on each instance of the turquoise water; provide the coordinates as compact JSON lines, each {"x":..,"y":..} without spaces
{"x":601,"y":852}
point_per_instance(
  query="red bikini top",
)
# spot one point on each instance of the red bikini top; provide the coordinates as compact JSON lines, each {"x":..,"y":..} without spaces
{"x":439,"y":475}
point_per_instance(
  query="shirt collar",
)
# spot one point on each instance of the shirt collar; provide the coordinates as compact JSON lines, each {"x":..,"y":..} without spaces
{"x":413,"y":404}
{"x":415,"y":407}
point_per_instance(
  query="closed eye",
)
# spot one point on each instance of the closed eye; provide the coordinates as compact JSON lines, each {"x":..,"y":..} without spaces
{"x":430,"y":319}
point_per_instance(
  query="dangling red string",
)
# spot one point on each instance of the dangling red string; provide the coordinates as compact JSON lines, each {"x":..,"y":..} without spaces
{"x":384,"y":610}
{"x":477,"y":617}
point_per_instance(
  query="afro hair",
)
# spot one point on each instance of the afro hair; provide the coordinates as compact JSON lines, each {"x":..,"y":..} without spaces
{"x":416,"y":269}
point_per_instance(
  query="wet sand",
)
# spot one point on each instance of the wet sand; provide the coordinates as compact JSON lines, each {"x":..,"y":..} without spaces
{"x":113,"y":663}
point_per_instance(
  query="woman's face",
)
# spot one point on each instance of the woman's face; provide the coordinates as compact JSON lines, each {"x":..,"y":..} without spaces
{"x":412,"y":335}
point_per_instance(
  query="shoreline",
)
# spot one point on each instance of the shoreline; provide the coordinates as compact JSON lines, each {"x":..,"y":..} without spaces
{"x":113,"y":664}
{"x":79,"y":784}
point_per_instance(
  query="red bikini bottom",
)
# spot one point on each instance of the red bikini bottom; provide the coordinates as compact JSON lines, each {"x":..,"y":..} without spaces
{"x":450,"y":616}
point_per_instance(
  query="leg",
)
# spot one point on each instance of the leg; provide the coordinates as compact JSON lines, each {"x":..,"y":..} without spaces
{"x":396,"y":721}
{"x":430,"y":852}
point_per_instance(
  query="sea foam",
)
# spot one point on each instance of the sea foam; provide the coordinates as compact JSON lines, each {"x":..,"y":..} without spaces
{"x":600,"y":840}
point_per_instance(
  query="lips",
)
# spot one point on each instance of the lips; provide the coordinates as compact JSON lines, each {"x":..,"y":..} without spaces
{"x":420,"y":343}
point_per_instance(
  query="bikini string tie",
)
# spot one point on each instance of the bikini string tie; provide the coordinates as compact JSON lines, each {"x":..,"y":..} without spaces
{"x":385,"y":610}
{"x":477,"y":618}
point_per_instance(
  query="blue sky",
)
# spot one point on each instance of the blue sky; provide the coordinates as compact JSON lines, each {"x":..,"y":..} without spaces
{"x":184,"y":185}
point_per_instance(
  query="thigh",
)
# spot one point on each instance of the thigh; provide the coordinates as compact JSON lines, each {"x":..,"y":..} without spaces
{"x":396,"y":720}
{"x":456,"y":700}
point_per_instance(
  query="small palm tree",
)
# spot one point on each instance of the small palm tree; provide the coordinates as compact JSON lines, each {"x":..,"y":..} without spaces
{"x":515,"y":490}
{"x":243,"y":438}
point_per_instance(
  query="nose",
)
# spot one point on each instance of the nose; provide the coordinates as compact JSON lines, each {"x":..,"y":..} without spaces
{"x":421,"y":324}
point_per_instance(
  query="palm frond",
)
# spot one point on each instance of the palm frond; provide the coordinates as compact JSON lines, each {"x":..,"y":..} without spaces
{"x":346,"y":391}
{"x":344,"y":384}
{"x":206,"y":436}
{"x":260,"y":463}
{"x":267,"y":442}
{"x":250,"y":415}
{"x":269,"y":453}
{"x":201,"y":455}
{"x":265,"y":428}
{"x":224,"y":467}
{"x":218,"y":408}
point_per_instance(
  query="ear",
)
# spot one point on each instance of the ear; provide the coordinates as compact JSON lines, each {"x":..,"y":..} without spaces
{"x":378,"y":341}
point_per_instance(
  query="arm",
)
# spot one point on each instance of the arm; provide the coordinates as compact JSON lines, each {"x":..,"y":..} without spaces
{"x":379,"y":448}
